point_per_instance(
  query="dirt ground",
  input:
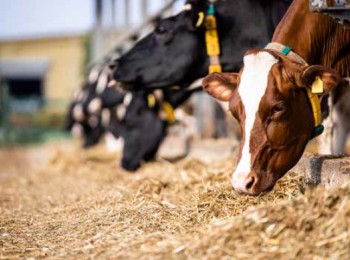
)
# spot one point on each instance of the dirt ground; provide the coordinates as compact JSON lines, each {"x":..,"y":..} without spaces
{"x":59,"y":202}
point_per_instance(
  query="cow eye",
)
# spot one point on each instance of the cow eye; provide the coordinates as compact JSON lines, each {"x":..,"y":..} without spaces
{"x":160,"y":30}
{"x":278,"y":108}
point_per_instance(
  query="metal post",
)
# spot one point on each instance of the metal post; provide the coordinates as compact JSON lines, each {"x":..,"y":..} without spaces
{"x":204,"y":112}
{"x":113,"y":15}
{"x":97,"y":40}
{"x":127,"y":12}
{"x":144,"y":9}
{"x":112,"y":26}
{"x":5,"y":112}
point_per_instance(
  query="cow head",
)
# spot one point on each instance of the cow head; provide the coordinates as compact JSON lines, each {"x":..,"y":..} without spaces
{"x":91,"y":130}
{"x":166,"y":57}
{"x":268,"y":98}
{"x":175,"y":52}
{"x":87,"y":127}
{"x":142,"y":120}
{"x":138,"y":120}
{"x":84,"y":118}
{"x":140,"y":126}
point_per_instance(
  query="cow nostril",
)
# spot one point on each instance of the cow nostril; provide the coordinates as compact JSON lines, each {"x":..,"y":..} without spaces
{"x":250,"y":183}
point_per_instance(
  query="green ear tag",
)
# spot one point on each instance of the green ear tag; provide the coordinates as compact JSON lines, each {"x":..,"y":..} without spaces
{"x":317,"y":86}
{"x":317,"y":131}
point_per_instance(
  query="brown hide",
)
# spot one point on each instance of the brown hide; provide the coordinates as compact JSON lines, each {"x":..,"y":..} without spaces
{"x":284,"y":122}
{"x":317,"y":38}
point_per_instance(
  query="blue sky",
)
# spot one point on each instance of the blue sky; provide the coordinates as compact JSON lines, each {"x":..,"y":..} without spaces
{"x":31,"y":18}
{"x":35,"y":18}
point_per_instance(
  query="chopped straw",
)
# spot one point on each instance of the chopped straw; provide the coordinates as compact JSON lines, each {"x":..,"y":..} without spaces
{"x":80,"y":204}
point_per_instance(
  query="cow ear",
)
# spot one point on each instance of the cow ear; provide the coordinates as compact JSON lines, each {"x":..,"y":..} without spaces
{"x":321,"y":79}
{"x":197,"y":12}
{"x":220,"y":85}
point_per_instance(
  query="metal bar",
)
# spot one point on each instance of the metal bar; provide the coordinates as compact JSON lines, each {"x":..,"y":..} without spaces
{"x":5,"y":112}
{"x":144,"y":9}
{"x":136,"y":31}
{"x":113,"y":15}
{"x":97,"y":38}
{"x":127,"y":12}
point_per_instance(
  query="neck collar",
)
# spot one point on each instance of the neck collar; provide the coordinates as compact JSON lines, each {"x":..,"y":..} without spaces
{"x":313,"y":98}
{"x":211,"y":39}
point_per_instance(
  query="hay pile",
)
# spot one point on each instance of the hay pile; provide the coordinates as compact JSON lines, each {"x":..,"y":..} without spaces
{"x":82,"y":205}
{"x":315,"y":226}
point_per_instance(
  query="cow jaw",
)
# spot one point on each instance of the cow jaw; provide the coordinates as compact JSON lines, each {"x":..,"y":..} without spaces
{"x":252,"y":88}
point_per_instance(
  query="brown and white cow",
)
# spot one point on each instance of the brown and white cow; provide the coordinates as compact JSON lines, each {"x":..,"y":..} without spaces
{"x":269,"y":95}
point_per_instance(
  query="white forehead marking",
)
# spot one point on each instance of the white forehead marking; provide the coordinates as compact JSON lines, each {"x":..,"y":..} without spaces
{"x":187,"y":7}
{"x":95,"y":105}
{"x":93,"y":75}
{"x":102,"y":81}
{"x":251,"y":90}
{"x":121,"y":111}
{"x":78,"y":113}
{"x":106,"y":117}
{"x":127,"y":99}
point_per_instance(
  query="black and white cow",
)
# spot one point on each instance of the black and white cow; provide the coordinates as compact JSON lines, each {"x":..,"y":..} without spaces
{"x":140,"y":119}
{"x":175,"y":52}
{"x":82,"y":124}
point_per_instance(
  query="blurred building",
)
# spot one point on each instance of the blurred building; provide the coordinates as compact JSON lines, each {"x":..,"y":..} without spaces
{"x":46,"y":48}
{"x":45,"y":67}
{"x":46,"y":45}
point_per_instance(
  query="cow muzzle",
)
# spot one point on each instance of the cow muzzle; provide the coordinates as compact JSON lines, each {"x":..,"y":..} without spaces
{"x":246,"y":183}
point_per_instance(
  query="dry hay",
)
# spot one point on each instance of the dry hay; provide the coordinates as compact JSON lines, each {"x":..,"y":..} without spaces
{"x":314,"y":226}
{"x":81,"y":205}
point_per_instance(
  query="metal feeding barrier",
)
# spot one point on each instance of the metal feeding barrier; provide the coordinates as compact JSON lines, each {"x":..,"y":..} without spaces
{"x":125,"y":41}
{"x":337,"y":9}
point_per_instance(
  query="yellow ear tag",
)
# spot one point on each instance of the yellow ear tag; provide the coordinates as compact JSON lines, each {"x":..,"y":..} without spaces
{"x":151,"y":101}
{"x":317,"y":86}
{"x":200,"y":19}
{"x":169,"y":111}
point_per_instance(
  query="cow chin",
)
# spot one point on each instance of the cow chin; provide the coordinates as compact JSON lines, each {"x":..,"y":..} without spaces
{"x":270,"y":167}
{"x":131,"y":165}
{"x":261,"y":182}
{"x":288,"y":159}
{"x":254,"y":184}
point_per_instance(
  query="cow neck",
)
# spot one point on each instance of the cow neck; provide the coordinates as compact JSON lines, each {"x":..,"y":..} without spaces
{"x":315,"y":37}
{"x":312,"y":96}
{"x":212,"y":40}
